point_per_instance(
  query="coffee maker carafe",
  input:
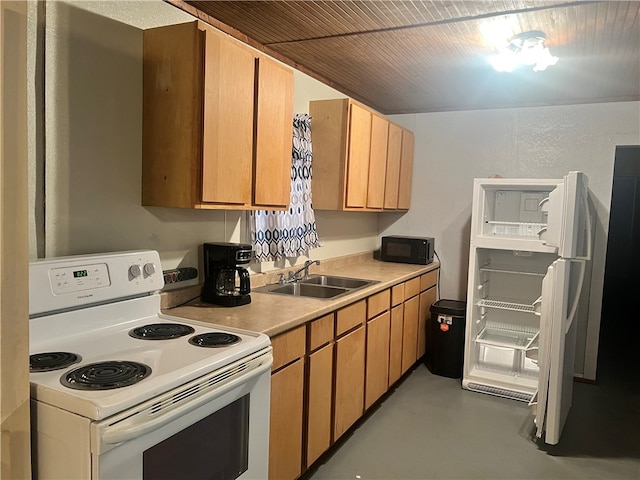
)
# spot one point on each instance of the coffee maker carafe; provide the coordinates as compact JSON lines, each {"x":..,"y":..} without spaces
{"x":226,"y":283}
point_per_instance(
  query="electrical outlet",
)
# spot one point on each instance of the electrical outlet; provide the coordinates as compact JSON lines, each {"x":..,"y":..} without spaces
{"x":179,"y":275}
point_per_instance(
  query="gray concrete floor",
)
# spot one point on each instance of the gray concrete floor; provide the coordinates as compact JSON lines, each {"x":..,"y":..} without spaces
{"x":430,"y":428}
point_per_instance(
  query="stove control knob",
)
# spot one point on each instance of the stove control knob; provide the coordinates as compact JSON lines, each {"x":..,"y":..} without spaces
{"x":135,"y":271}
{"x":149,"y":268}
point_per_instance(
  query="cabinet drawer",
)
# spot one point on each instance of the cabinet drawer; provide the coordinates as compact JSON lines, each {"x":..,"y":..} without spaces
{"x":428,"y":280}
{"x":397,"y":294}
{"x":288,"y":347}
{"x":351,"y":316}
{"x":320,"y":332}
{"x":411,"y":287}
{"x":378,"y":303}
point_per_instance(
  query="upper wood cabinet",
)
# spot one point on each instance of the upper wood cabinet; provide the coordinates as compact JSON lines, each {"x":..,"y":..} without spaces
{"x":406,"y":170}
{"x":361,"y":161}
{"x":392,"y":175}
{"x":377,"y":161}
{"x":399,"y":168}
{"x":217,"y":122}
{"x":359,"y":149}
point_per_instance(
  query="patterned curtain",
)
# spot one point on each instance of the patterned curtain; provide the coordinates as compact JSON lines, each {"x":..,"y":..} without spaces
{"x":292,"y":233}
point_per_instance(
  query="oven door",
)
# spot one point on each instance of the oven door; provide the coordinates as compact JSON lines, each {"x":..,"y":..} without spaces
{"x":214,"y":427}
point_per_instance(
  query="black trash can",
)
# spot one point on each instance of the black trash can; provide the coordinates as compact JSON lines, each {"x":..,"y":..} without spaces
{"x":445,"y":338}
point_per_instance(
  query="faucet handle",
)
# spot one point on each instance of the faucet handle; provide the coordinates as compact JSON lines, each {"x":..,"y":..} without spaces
{"x":281,"y":280}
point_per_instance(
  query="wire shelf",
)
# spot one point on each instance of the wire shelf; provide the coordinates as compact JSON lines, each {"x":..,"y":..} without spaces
{"x":538,"y":271}
{"x":507,"y":305}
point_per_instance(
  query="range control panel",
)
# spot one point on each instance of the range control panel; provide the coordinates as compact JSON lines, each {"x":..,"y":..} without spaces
{"x":68,"y":282}
{"x":76,"y":279}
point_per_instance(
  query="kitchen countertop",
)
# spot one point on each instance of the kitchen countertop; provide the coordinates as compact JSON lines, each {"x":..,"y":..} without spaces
{"x":274,"y":314}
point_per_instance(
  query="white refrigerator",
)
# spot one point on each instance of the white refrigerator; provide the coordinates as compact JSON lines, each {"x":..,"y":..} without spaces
{"x":530,"y":241}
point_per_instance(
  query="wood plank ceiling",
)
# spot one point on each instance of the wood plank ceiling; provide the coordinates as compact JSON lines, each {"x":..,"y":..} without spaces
{"x":427,"y":56}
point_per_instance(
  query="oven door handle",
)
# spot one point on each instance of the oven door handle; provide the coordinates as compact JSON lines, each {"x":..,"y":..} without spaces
{"x":148,"y":418}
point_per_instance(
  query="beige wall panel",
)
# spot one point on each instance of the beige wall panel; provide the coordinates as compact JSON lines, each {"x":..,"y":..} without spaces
{"x":14,"y":302}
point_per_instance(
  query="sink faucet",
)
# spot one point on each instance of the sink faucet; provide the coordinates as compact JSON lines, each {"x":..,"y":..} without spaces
{"x":293,"y":276}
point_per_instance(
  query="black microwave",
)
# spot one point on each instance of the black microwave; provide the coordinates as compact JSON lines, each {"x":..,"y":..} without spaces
{"x":405,"y":249}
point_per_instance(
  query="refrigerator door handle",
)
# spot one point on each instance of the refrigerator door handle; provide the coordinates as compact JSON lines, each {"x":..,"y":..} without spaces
{"x":587,"y":215}
{"x":576,"y":299}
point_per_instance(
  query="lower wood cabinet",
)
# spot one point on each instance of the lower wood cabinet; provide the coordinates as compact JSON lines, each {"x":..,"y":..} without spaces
{"x":320,"y":398}
{"x":427,"y":298}
{"x":428,"y":295}
{"x":349,"y":381}
{"x":395,"y":343}
{"x":410,"y":332}
{"x":287,"y":405}
{"x":327,"y":373}
{"x":377,"y":361}
{"x":285,"y":433}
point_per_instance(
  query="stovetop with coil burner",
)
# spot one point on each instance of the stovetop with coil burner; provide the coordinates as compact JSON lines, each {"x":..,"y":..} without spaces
{"x":120,"y":353}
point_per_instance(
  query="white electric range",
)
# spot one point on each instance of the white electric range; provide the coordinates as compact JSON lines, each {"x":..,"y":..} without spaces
{"x":118,"y":389}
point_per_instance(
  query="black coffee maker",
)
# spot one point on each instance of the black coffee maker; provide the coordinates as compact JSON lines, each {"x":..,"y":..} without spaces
{"x":225,"y":283}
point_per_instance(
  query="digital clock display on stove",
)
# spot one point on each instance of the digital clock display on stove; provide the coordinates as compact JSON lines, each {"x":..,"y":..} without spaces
{"x":80,"y":273}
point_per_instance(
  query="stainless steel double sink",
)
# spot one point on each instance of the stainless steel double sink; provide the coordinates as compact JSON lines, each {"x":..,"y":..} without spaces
{"x":318,"y":286}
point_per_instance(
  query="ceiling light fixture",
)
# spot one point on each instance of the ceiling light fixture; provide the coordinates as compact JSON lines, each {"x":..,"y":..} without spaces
{"x":526,"y":48}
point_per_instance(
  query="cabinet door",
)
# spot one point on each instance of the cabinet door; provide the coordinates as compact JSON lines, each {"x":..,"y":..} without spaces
{"x":227,"y":143}
{"x":285,"y":431}
{"x":349,"y":381}
{"x":320,"y":394}
{"x":392,"y":178}
{"x":172,"y":87}
{"x":406,"y":170}
{"x":358,"y":157}
{"x":410,"y":332}
{"x":274,"y":127}
{"x":395,"y":344}
{"x":377,"y":375}
{"x":330,"y":125}
{"x":427,"y":298}
{"x":377,"y":161}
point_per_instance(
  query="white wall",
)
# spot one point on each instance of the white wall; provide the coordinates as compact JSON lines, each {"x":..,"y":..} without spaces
{"x":93,"y":112}
{"x":453,"y":148}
